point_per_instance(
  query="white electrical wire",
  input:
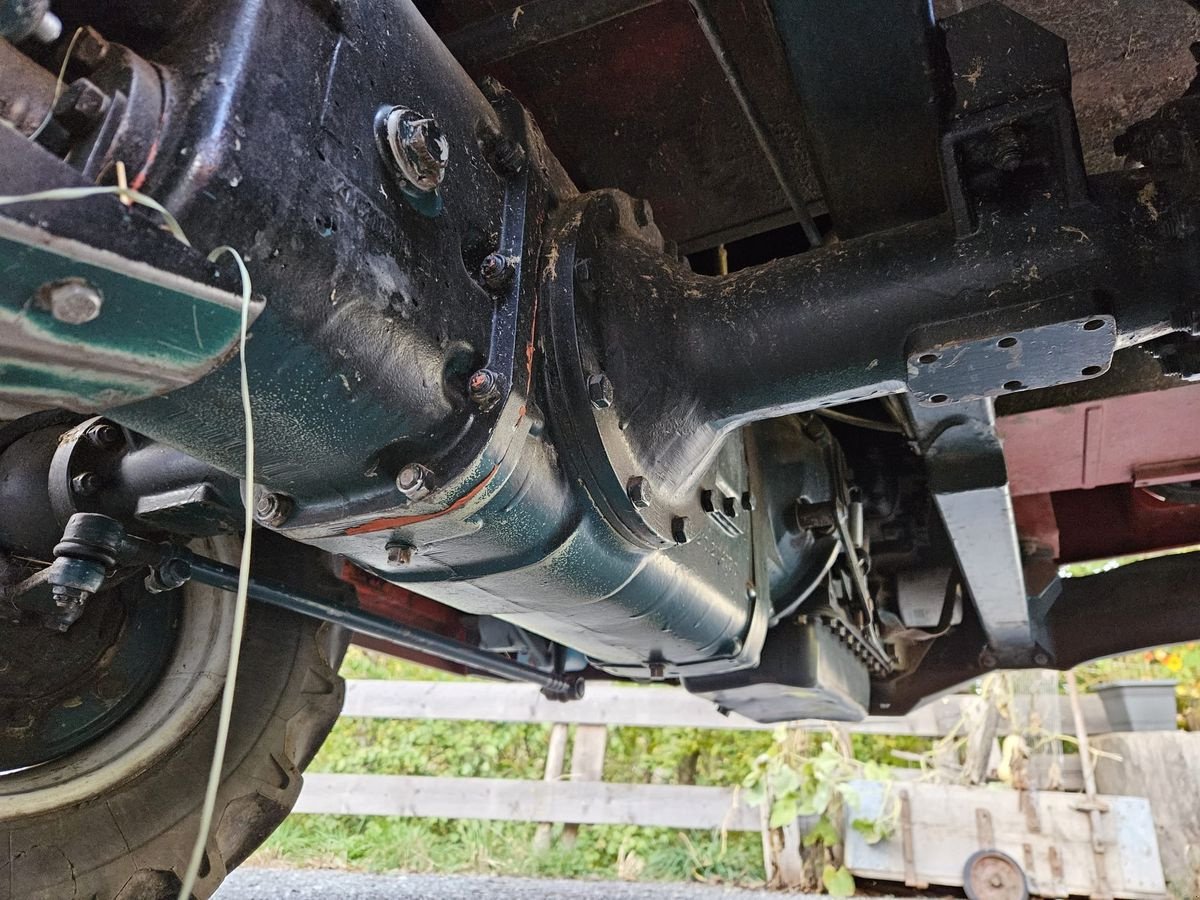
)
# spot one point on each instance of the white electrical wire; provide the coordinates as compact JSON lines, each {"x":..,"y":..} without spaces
{"x":239,"y":617}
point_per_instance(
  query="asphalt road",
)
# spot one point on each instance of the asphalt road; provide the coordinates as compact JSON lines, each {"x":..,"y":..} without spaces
{"x":320,"y":884}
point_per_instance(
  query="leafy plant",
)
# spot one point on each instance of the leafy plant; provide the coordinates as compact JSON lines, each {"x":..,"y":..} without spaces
{"x":797,"y":783}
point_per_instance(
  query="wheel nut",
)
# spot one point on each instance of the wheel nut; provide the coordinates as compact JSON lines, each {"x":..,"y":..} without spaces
{"x":496,"y":270}
{"x":600,"y":391}
{"x":72,"y":301}
{"x":272,"y":509}
{"x":413,"y":481}
{"x":639,"y":491}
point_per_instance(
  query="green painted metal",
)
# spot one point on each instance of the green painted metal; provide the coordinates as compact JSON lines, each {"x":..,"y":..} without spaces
{"x":156,"y":331}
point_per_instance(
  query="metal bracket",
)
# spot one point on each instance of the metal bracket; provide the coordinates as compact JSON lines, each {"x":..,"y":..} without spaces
{"x":1026,"y":347}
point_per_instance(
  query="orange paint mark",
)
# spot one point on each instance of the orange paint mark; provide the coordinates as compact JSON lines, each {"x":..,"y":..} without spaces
{"x":398,"y":521}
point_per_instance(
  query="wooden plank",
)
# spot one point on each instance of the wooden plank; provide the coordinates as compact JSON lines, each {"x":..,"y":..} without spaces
{"x":514,"y":800}
{"x":556,"y":754}
{"x":624,"y":705}
{"x":587,"y":764}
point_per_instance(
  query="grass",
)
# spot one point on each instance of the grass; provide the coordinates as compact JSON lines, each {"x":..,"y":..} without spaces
{"x":480,"y":749}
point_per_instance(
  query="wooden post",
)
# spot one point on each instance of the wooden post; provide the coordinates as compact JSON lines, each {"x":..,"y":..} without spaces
{"x":587,"y":764}
{"x":555,"y":756}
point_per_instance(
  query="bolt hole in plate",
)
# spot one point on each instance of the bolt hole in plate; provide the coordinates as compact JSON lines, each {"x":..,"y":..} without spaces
{"x":986,"y":365}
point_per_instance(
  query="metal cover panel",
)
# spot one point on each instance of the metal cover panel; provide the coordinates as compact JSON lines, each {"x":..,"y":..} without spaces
{"x":1038,"y":357}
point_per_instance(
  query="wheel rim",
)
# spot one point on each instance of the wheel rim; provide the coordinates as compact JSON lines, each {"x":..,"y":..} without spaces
{"x":174,"y":704}
{"x":61,"y":691}
{"x":993,"y":875}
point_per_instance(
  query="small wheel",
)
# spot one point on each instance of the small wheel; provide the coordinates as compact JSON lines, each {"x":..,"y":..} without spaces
{"x":992,"y":875}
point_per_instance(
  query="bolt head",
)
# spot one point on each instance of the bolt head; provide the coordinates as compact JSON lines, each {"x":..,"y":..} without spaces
{"x":105,"y":436}
{"x":413,"y":481}
{"x":679,"y":529}
{"x":508,"y":156}
{"x":496,"y":270}
{"x":639,"y":491}
{"x":600,"y":391}
{"x":484,"y":388}
{"x":72,"y":301}
{"x":1041,"y":659}
{"x":86,"y":483}
{"x":272,"y":509}
{"x":417,"y":146}
{"x":400,"y":554}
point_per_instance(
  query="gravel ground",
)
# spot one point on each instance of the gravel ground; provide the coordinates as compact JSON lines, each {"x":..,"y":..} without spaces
{"x":318,"y":884}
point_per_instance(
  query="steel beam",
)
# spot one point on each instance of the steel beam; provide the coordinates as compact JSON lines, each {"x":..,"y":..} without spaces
{"x":969,"y":483}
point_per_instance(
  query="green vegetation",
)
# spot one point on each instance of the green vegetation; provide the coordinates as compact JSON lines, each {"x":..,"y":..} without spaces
{"x":634,"y":755}
{"x":481,"y":749}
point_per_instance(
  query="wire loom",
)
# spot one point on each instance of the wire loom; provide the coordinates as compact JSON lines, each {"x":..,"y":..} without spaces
{"x":128,"y":195}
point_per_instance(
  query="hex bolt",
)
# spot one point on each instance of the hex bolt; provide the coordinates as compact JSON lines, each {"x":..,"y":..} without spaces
{"x":273,"y":509}
{"x":496,"y":270}
{"x":413,"y":481}
{"x":484,"y":388}
{"x":1041,"y":659}
{"x":105,"y":436}
{"x":72,"y":301}
{"x":679,"y":529}
{"x":86,"y":483}
{"x":639,"y":491}
{"x":600,"y":391}
{"x":417,"y":147}
{"x":400,"y":553}
{"x":507,"y":156}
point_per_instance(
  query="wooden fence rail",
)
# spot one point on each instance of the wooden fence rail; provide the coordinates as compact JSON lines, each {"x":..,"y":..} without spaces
{"x":580,"y":797}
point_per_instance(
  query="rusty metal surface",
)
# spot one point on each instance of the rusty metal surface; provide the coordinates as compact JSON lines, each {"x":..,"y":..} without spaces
{"x":639,"y":103}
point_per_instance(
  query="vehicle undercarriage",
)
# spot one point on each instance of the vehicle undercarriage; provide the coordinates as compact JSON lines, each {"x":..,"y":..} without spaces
{"x":785,"y":351}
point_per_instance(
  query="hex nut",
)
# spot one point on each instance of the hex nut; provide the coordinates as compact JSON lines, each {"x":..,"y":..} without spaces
{"x":600,"y":391}
{"x":639,"y":491}
{"x":507,"y":156}
{"x":72,"y":301}
{"x":484,"y":388}
{"x":496,"y":270}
